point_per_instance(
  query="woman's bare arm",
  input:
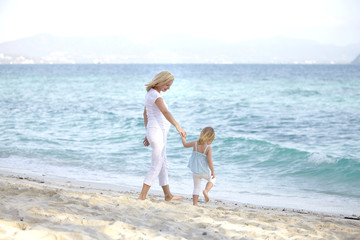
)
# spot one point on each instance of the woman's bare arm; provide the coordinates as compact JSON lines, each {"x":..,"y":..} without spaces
{"x":145,"y":117}
{"x":146,"y":141}
{"x":163,"y":109}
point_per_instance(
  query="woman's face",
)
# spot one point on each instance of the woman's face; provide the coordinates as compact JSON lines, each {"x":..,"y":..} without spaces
{"x":166,"y":86}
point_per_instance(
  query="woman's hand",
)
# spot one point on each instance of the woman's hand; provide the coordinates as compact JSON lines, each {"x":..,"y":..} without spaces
{"x":146,"y":142}
{"x":181,"y":132}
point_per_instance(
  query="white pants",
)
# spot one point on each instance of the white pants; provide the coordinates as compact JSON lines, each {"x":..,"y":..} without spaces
{"x":197,"y":181}
{"x":159,"y":166}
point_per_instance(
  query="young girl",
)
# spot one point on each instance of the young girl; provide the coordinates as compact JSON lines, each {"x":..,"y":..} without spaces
{"x":200,"y":162}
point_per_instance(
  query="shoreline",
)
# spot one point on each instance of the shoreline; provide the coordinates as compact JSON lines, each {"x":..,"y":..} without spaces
{"x":45,"y":207}
{"x":154,"y":191}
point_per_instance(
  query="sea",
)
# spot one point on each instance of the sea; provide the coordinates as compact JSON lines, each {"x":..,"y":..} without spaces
{"x":287,"y":136}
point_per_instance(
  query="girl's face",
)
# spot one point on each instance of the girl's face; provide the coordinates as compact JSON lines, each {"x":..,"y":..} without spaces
{"x":165,"y":87}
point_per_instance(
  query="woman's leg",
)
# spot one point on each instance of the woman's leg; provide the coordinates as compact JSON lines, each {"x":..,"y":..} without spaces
{"x":155,"y":137}
{"x":163,"y":174}
{"x":145,"y":189}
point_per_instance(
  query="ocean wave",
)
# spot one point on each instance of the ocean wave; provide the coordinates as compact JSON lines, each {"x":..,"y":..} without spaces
{"x":301,"y":92}
{"x":319,"y":158}
{"x":271,"y":158}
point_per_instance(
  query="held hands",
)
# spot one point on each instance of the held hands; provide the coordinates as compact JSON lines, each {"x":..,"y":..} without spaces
{"x":181,"y":132}
{"x":146,"y":142}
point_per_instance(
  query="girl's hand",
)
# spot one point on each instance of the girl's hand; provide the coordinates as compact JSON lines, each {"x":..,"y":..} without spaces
{"x":182,"y":136}
{"x":213,"y":174}
{"x":146,"y":142}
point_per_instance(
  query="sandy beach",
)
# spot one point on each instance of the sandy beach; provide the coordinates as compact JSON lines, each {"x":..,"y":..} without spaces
{"x":37,"y":208}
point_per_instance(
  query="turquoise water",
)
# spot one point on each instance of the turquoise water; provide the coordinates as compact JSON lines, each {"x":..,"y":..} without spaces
{"x":286,"y":135}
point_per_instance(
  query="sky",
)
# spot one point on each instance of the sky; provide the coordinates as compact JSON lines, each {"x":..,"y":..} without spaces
{"x":334,"y":22}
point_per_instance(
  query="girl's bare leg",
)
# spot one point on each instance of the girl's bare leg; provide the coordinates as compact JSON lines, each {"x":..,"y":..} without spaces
{"x":209,"y":185}
{"x":195,"y":200}
{"x":168,"y":196}
{"x":144,"y":191}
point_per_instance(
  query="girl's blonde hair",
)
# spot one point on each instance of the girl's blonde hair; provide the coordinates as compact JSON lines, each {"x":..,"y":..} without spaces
{"x":161,"y":78}
{"x":206,"y":135}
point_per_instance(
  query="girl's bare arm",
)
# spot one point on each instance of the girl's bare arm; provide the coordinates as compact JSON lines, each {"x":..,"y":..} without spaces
{"x":209,"y":161}
{"x":187,"y":144}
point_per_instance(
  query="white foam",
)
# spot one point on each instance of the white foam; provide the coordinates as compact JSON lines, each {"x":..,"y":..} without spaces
{"x":319,"y":158}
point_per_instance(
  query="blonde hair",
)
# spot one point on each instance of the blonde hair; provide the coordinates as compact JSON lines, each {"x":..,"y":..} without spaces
{"x":161,"y":78}
{"x":206,"y":135}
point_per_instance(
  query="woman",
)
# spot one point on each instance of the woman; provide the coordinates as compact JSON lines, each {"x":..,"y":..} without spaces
{"x":157,"y":119}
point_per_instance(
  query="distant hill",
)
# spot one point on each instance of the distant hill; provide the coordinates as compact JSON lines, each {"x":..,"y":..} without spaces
{"x":356,"y":60}
{"x":47,"y":48}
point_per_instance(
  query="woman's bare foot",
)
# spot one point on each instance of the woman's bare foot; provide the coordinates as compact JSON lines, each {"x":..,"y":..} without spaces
{"x":207,"y":199}
{"x":173,"y":198}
